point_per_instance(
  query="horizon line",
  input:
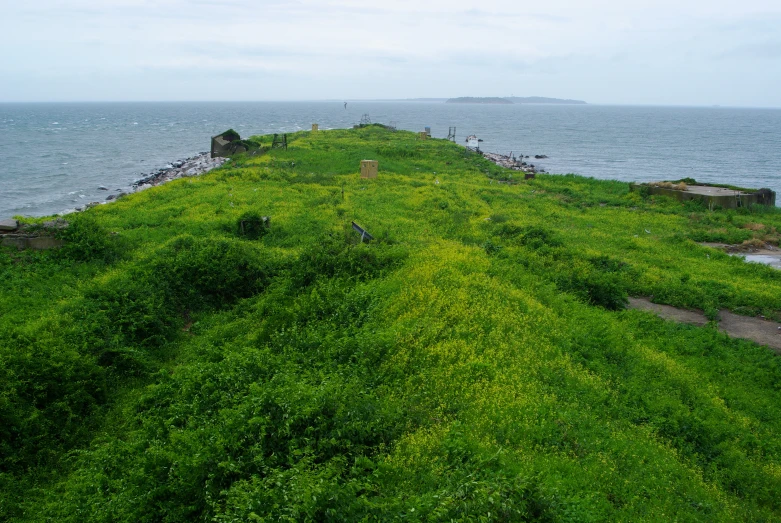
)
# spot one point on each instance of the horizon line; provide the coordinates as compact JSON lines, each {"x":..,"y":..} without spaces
{"x":427,"y":99}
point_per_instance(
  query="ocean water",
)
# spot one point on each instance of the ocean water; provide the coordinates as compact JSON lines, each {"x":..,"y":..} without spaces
{"x":54,"y":157}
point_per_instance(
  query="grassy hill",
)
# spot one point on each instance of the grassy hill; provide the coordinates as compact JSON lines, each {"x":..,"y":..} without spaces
{"x":178,"y":361}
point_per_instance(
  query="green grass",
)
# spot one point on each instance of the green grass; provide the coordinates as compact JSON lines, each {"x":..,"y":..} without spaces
{"x":474,"y":362}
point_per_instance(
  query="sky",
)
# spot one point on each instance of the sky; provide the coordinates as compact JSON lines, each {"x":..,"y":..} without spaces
{"x":645,"y":52}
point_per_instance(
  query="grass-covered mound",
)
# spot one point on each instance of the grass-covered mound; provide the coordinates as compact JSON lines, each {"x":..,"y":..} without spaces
{"x":181,"y":361}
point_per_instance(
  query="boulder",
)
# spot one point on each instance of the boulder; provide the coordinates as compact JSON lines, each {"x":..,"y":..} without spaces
{"x":9,"y":225}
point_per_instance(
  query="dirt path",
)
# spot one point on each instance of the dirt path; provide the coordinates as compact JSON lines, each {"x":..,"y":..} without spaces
{"x":761,"y":331}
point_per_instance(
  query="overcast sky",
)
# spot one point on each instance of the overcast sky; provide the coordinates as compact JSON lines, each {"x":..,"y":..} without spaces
{"x":666,"y":52}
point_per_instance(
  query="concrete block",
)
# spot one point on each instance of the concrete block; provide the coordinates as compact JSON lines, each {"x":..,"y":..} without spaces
{"x":39,"y":243}
{"x":44,"y":243}
{"x":369,"y":168}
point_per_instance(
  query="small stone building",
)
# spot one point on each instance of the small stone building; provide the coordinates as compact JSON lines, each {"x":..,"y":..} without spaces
{"x":221,"y":144}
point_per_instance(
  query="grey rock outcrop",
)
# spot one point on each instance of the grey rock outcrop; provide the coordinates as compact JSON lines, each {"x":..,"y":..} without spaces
{"x":9,"y":225}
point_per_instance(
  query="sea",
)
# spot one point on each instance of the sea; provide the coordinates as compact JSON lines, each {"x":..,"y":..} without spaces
{"x":55,"y":156}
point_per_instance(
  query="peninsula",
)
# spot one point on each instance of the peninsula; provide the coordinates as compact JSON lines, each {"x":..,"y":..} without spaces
{"x":280,"y":339}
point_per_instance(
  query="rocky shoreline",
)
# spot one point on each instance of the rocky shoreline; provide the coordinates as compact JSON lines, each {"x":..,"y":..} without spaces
{"x":40,"y":236}
{"x":192,"y":166}
{"x":515,"y":164}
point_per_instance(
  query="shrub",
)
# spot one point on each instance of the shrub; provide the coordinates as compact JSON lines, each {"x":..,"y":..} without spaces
{"x":87,"y":240}
{"x":200,"y":272}
{"x":252,"y":225}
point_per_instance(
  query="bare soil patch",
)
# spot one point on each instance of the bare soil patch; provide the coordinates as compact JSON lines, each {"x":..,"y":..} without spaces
{"x":763,"y":332}
{"x":667,"y":312}
{"x":745,"y":247}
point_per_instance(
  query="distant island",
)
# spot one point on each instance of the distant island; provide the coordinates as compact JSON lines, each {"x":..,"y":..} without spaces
{"x":479,"y":100}
{"x":513,"y":100}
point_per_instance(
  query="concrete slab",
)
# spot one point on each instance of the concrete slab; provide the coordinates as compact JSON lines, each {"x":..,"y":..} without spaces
{"x":712,"y":196}
{"x":713,"y":191}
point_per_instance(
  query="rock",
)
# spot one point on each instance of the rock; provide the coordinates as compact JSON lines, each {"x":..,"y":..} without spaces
{"x":103,"y":188}
{"x":111,"y":197}
{"x":59,"y":223}
{"x":9,"y":225}
{"x":540,"y":156}
{"x":178,"y":164}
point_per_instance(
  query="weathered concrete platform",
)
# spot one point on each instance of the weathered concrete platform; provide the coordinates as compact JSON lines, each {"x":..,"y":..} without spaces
{"x":713,"y":196}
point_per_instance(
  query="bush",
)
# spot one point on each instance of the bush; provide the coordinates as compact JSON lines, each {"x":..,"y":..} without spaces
{"x":252,"y":225}
{"x":214,"y":272}
{"x":86,"y":240}
{"x":332,"y":258}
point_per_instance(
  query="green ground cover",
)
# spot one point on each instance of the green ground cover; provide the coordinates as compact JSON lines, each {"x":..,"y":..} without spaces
{"x":178,"y":361}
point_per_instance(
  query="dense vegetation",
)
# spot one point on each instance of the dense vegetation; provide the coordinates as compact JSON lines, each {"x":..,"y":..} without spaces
{"x":183,"y":360}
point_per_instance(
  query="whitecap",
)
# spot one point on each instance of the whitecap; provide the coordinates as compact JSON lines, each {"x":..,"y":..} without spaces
{"x":135,"y":123}
{"x":55,"y":123}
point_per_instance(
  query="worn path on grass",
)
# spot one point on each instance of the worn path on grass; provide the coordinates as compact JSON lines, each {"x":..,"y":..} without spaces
{"x":761,"y":331}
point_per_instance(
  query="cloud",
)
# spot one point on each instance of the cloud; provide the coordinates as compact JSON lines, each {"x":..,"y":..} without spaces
{"x":406,"y":46}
